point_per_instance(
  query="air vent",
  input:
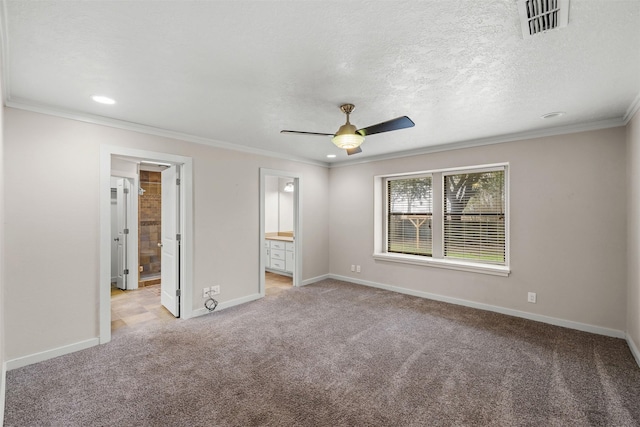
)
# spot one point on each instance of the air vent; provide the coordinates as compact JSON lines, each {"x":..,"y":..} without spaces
{"x":538,"y":16}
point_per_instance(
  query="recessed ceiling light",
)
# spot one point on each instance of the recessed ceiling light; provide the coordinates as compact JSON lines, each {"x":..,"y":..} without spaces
{"x":103,"y":99}
{"x":331,"y":156}
{"x":552,"y":115}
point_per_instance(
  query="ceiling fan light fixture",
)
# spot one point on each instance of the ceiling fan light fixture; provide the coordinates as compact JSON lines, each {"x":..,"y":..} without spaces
{"x":347,"y":137}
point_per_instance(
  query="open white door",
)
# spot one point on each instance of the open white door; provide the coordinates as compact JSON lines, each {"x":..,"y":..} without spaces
{"x":170,"y":284}
{"x":123,"y":189}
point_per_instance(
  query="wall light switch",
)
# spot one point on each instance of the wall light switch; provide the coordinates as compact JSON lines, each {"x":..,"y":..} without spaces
{"x":531,"y":297}
{"x":353,"y":267}
{"x":358,"y":269}
{"x":215,"y":290}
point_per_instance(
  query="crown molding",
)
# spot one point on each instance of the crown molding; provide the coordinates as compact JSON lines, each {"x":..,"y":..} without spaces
{"x":540,"y":133}
{"x":135,"y":127}
{"x":632,"y":110}
{"x":150,"y":130}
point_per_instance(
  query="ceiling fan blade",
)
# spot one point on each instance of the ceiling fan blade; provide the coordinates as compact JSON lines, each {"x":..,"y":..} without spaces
{"x":306,"y":133}
{"x":356,"y":150}
{"x":394,"y":124}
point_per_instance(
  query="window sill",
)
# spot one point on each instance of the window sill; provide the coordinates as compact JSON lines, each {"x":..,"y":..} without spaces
{"x":495,"y":270}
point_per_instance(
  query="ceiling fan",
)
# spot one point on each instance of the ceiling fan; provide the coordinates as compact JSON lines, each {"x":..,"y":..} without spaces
{"x":348,"y":138}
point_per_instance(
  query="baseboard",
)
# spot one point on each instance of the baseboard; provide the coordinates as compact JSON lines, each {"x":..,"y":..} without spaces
{"x":315,"y":279}
{"x":3,"y":384}
{"x":634,"y":349}
{"x":50,"y":354}
{"x":226,"y":304}
{"x":508,"y":311}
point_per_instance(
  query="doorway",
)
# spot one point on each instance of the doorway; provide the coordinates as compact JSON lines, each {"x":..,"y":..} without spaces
{"x":280,"y":230}
{"x":174,"y":241}
{"x":137,"y":296}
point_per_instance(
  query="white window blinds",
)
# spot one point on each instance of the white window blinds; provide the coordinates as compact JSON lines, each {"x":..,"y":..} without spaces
{"x":410,"y":208}
{"x":474,"y":216}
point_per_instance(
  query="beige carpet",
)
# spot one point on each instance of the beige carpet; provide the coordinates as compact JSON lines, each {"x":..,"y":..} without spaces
{"x":336,"y":354}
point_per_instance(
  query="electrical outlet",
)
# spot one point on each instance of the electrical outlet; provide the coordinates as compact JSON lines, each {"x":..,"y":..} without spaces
{"x":205,"y":293}
{"x":353,"y":267}
{"x":531,"y":297}
{"x":358,"y":269}
{"x":215,"y":290}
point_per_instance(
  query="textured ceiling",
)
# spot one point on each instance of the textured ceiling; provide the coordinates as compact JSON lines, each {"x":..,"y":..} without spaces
{"x":240,"y":71}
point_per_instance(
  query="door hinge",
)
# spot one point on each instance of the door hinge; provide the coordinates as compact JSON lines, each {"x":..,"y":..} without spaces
{"x":125,"y":190}
{"x":178,"y":237}
{"x":177,"y":292}
{"x":126,"y":271}
{"x":125,"y":231}
{"x":177,"y":181}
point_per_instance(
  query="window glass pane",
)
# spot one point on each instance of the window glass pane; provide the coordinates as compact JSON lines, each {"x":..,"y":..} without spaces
{"x":474,"y":219}
{"x":410,"y":206}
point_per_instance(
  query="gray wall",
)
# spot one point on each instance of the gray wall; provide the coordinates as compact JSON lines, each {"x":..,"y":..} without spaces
{"x":568,"y":228}
{"x":633,"y":218}
{"x":52,"y":223}
{"x":2,"y":220}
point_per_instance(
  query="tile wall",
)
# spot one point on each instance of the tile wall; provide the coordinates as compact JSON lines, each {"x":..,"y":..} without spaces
{"x":149,"y":215}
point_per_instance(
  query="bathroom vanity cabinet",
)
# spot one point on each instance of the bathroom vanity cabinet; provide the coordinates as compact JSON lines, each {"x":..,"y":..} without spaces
{"x":279,"y":254}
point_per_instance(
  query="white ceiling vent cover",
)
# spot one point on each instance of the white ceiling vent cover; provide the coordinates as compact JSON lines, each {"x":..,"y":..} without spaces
{"x":538,"y":16}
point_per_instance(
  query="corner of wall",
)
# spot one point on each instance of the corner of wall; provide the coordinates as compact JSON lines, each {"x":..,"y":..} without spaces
{"x":2,"y":219}
{"x":633,"y":235}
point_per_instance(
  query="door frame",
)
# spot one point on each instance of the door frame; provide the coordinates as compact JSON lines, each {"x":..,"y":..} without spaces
{"x":186,"y":230}
{"x":297,"y":223}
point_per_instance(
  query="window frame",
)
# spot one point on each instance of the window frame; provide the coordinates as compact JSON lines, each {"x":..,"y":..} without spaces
{"x":437,"y":258}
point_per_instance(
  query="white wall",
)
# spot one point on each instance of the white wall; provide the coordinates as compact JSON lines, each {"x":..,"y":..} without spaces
{"x":52,"y":268}
{"x":633,"y":251}
{"x":285,"y":207}
{"x":271,"y":208}
{"x":278,"y":205}
{"x":568,"y":228}
{"x":123,"y":168}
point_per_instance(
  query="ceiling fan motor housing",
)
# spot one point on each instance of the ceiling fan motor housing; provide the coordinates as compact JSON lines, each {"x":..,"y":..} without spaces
{"x":347,"y":136}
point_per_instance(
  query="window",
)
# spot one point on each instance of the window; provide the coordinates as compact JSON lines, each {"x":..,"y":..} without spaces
{"x":454,"y":218}
{"x":410,"y":202}
{"x":474,"y":216}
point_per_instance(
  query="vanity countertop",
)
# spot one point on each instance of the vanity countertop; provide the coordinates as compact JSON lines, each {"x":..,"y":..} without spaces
{"x":282,"y":236}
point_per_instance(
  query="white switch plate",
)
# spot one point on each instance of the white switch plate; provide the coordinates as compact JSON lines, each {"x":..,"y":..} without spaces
{"x":353,"y":267}
{"x":531,"y":297}
{"x":215,"y":290}
{"x":358,"y":269}
{"x":205,"y":292}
